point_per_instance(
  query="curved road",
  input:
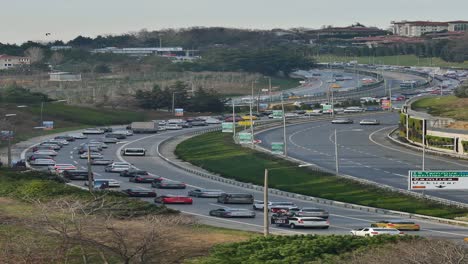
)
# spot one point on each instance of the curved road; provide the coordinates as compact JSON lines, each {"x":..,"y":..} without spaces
{"x":342,"y":219}
{"x":363,"y":152}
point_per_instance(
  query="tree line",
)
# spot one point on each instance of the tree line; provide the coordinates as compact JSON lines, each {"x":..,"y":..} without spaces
{"x":200,"y":100}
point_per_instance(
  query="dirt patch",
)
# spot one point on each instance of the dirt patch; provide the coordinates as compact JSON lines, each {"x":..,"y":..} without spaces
{"x":459,"y":125}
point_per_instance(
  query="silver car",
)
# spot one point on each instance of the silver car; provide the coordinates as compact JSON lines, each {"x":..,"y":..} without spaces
{"x":316,"y":212}
{"x":205,"y":193}
{"x":232,"y":212}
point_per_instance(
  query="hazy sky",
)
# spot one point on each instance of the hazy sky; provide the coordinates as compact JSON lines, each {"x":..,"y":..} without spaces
{"x":23,"y":20}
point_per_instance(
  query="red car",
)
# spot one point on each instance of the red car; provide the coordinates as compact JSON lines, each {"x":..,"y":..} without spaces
{"x":173,"y":199}
{"x":229,"y":119}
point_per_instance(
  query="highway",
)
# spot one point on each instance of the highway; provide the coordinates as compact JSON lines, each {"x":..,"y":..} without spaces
{"x":363,"y":152}
{"x":342,"y":219}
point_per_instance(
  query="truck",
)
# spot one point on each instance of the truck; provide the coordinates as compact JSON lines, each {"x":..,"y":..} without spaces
{"x":144,"y":127}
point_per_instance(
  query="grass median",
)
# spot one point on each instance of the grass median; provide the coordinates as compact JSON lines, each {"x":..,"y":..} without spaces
{"x":217,"y":153}
{"x":445,"y":106}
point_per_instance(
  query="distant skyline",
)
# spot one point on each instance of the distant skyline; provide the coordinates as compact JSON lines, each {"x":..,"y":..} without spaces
{"x":24,"y":20}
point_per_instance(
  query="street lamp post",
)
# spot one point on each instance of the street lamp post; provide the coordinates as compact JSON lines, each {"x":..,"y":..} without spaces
{"x":285,"y":140}
{"x":10,"y":134}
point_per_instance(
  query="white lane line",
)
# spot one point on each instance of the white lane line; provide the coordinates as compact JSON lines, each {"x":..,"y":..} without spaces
{"x":407,"y":152}
{"x":75,"y":148}
{"x":401,"y":175}
{"x":76,"y":162}
{"x":71,"y":152}
{"x":71,"y":157}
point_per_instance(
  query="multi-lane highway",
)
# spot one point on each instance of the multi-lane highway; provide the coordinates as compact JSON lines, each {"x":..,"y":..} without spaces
{"x":363,"y":152}
{"x":342,"y":219}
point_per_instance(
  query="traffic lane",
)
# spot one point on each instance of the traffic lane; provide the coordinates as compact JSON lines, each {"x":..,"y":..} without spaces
{"x":357,"y":155}
{"x":337,"y":219}
{"x":340,"y":219}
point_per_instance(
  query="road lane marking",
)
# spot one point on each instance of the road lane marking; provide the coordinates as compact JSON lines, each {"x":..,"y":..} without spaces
{"x":75,"y":162}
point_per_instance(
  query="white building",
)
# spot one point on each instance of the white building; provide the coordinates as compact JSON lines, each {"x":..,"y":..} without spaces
{"x":55,"y":48}
{"x":8,"y":62}
{"x":139,"y":51}
{"x":64,"y":77}
{"x":419,"y":28}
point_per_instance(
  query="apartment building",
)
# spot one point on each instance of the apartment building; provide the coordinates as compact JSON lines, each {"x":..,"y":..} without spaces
{"x":7,"y":61}
{"x":420,"y":28}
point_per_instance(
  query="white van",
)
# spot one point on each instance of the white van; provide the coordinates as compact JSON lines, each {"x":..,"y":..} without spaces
{"x":134,"y":152}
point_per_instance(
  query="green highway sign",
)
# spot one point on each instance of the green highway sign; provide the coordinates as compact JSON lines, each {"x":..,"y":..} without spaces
{"x":245,"y":138}
{"x":277,"y":114}
{"x":227,"y":127}
{"x":277,"y":148}
{"x":438,"y":180}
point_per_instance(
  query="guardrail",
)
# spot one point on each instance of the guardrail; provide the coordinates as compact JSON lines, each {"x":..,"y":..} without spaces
{"x":258,"y":188}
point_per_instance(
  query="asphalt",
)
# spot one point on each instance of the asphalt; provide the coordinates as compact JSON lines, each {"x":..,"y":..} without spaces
{"x":342,"y":219}
{"x":363,"y":151}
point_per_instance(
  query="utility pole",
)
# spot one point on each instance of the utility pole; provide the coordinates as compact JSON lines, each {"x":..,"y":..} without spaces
{"x":266,"y":223}
{"x":42,"y":109}
{"x":233,"y":118}
{"x":336,"y":154}
{"x":173,"y":101}
{"x":285,"y":140}
{"x":251,"y":119}
{"x":90,"y":172}
{"x":269,"y":88}
{"x":424,"y":144}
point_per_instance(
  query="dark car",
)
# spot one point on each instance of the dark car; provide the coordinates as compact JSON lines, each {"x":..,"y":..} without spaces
{"x":75,"y":174}
{"x":165,"y":184}
{"x":133,"y":173}
{"x":67,"y":138}
{"x":144,"y":179}
{"x":116,"y":135}
{"x":186,"y":124}
{"x":236,"y":198}
{"x":39,"y":156}
{"x":107,"y":129}
{"x":232,"y":212}
{"x":237,"y":119}
{"x":134,"y":192}
{"x":205,"y":193}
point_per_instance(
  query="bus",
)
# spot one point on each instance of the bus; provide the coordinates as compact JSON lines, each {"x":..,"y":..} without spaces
{"x":408,"y":84}
{"x":134,"y":152}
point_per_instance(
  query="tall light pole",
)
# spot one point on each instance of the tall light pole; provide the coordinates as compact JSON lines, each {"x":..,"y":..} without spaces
{"x":423,"y":167}
{"x":90,"y":172}
{"x":285,"y":140}
{"x":233,"y":118}
{"x":336,"y":155}
{"x":251,"y":119}
{"x":10,"y":134}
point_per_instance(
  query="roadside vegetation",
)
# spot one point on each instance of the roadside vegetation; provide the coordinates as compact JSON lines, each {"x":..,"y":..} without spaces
{"x":445,"y":106}
{"x":337,"y":249}
{"x":218,"y":153}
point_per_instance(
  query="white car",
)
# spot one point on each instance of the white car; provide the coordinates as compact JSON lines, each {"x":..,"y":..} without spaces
{"x":162,"y":128}
{"x":290,"y":115}
{"x":259,"y":205}
{"x":117,"y":168}
{"x":354,"y":109}
{"x":369,"y":122}
{"x":48,"y":152}
{"x":124,"y":132}
{"x":60,"y":142}
{"x":173,"y":127}
{"x":93,"y":131}
{"x":42,"y":162}
{"x":212,"y":121}
{"x":78,"y":136}
{"x":295,"y":222}
{"x":92,"y":155}
{"x":118,"y":163}
{"x":372,"y":231}
{"x":112,"y":183}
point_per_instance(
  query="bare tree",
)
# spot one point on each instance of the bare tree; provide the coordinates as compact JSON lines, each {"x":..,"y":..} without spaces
{"x":35,"y":54}
{"x":93,"y":224}
{"x":56,"y":58}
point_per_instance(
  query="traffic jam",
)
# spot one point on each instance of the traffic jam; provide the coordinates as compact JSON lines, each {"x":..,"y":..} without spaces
{"x":67,"y":156}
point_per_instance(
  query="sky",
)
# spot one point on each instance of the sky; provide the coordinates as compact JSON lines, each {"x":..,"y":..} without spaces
{"x":23,"y":20}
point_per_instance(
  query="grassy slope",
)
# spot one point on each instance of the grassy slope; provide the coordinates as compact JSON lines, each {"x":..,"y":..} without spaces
{"x":446,"y":106}
{"x":217,"y":152}
{"x":402,"y":60}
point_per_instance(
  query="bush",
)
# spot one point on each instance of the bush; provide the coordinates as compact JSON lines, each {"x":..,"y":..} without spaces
{"x":440,"y":142}
{"x":462,"y":91}
{"x":294,"y":249}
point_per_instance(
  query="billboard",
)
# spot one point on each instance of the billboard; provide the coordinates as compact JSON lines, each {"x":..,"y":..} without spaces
{"x":438,"y":180}
{"x":48,"y":125}
{"x":386,"y":104}
{"x":245,"y":138}
{"x":227,"y":127}
{"x":326,"y":108}
{"x":5,"y":134}
{"x":277,"y":148}
{"x":179,"y":112}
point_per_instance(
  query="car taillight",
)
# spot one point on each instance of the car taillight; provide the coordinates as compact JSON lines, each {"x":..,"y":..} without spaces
{"x":328,"y":222}
{"x":391,"y":224}
{"x":300,"y":221}
{"x":402,"y":233}
{"x":375,"y":233}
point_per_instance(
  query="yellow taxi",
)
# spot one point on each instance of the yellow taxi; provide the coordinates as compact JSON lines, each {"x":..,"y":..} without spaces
{"x":335,"y":86}
{"x":247,"y":117}
{"x":397,"y":224}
